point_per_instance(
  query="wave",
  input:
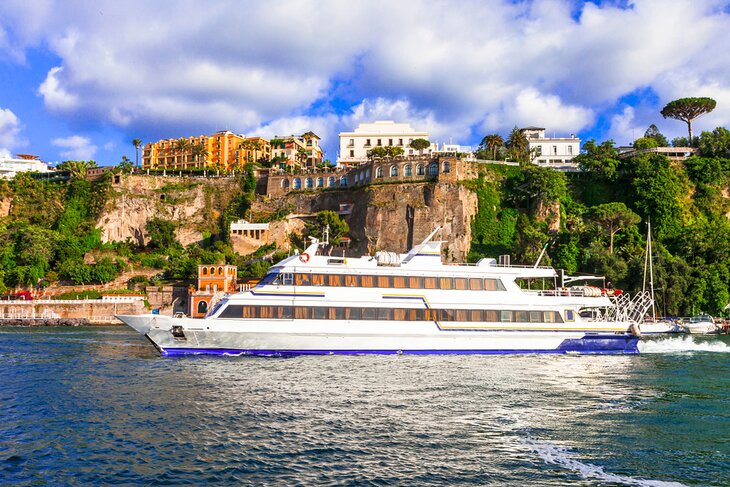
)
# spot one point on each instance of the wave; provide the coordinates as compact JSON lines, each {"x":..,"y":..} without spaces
{"x":556,"y":455}
{"x":683,"y":344}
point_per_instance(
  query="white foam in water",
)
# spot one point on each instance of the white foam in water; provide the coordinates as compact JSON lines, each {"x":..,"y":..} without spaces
{"x":682,"y":344}
{"x":555,"y":455}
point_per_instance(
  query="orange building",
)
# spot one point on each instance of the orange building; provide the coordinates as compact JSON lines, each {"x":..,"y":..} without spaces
{"x":223,"y":151}
{"x":213,"y":282}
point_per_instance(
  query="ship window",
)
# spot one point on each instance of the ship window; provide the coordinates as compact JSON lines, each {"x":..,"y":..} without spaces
{"x":399,"y":314}
{"x":385,"y":314}
{"x":247,"y":312}
{"x":337,"y":313}
{"x":462,"y":315}
{"x":369,"y":313}
{"x":384,"y":281}
{"x":460,"y":283}
{"x":352,"y":281}
{"x":320,"y":313}
{"x":317,"y":279}
{"x":267,"y":312}
{"x":302,"y":313}
{"x":231,"y":311}
{"x":490,"y":316}
{"x":399,"y":282}
{"x":302,"y":279}
{"x":447,"y":283}
{"x":521,"y":316}
{"x":419,"y":315}
{"x":287,"y":279}
{"x":476,"y":315}
{"x":430,"y":282}
{"x":476,"y":284}
{"x":493,"y":285}
{"x":535,"y":316}
{"x":569,"y":316}
{"x":335,"y":280}
{"x":505,"y":316}
{"x":282,"y":312}
{"x":367,"y":281}
{"x":415,"y":282}
{"x":354,"y":313}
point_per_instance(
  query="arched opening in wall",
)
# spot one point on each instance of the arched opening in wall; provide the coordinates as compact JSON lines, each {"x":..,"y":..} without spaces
{"x":297,"y":183}
{"x":205,"y":271}
{"x":393,"y":171}
{"x":343,"y":182}
{"x":212,"y":271}
{"x":331,"y":182}
{"x":220,"y":271}
{"x":320,"y":182}
{"x":420,"y":171}
{"x":379,"y":172}
{"x":433,"y":169}
{"x":446,"y":167}
{"x":202,"y":307}
{"x":285,"y":183}
{"x":408,"y":170}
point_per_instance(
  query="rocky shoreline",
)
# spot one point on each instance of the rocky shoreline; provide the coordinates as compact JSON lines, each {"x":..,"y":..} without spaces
{"x":37,"y":322}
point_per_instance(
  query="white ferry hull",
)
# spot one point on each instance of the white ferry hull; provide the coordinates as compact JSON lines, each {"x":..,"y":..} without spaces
{"x":324,"y":339}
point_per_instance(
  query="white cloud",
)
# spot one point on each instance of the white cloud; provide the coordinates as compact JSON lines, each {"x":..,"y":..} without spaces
{"x":76,"y":148}
{"x":447,"y":66}
{"x":10,"y":128}
{"x":624,"y":128}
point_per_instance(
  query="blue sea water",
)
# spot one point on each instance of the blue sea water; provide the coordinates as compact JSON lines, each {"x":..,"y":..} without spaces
{"x":99,"y":406}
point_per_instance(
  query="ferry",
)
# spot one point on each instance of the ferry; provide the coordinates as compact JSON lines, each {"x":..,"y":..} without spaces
{"x":413,"y":303}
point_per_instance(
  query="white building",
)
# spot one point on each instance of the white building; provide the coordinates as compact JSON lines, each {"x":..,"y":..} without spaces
{"x":354,"y":146}
{"x":551,"y":150}
{"x":456,"y":149}
{"x":10,"y":166}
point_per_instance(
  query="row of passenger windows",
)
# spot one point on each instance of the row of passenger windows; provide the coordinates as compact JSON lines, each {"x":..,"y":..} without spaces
{"x":396,"y":282}
{"x":389,"y":314}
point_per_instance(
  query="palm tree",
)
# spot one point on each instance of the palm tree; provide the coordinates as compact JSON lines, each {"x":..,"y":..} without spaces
{"x":256,"y":146}
{"x":182,"y":145}
{"x":492,"y":142}
{"x":302,"y":156}
{"x":137,"y":143}
{"x":518,"y":145}
{"x":197,"y":151}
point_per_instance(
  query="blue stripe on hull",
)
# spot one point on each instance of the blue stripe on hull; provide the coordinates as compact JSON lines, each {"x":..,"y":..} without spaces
{"x":606,"y":344}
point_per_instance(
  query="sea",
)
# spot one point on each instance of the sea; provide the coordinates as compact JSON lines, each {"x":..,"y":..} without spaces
{"x":100,"y":406}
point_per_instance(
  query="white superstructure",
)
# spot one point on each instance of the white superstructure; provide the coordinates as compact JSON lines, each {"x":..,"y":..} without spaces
{"x":401,"y":303}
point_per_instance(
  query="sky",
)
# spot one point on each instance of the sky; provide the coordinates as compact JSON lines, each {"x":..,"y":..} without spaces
{"x":80,"y":80}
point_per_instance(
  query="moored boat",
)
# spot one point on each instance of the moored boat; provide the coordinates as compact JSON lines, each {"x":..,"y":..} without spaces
{"x":702,"y":325}
{"x":402,"y":304}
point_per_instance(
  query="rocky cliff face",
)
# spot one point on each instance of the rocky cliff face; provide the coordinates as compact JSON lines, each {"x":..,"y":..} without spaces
{"x":194,"y":203}
{"x":395,"y":217}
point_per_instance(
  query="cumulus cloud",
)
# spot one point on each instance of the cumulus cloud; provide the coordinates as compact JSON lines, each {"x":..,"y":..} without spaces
{"x":10,"y":129}
{"x":453,"y":68}
{"x":75,"y":148}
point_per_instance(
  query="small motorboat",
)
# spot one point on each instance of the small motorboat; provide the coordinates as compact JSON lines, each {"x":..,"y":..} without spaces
{"x":701,"y":325}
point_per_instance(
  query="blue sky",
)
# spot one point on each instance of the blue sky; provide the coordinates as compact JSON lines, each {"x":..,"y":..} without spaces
{"x":80,"y":80}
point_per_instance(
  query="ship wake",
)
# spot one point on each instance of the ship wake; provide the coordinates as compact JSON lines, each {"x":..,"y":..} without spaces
{"x":683,"y":344}
{"x":553,"y":454}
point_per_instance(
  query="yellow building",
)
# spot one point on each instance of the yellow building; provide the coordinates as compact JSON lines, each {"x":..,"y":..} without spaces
{"x":224,"y":151}
{"x":297,"y":150}
{"x":212,"y":280}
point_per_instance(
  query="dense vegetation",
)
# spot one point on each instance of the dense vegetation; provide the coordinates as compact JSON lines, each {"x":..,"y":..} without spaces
{"x":595,"y":221}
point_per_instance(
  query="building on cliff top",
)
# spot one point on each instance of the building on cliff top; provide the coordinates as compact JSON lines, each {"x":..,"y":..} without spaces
{"x":223,"y":150}
{"x":297,"y":150}
{"x":10,"y":166}
{"x":355,"y":145}
{"x":551,"y":151}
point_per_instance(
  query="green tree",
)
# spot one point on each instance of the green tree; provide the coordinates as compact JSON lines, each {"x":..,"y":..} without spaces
{"x":197,"y":152}
{"x":645,"y":143}
{"x":337,"y":226}
{"x":614,"y":217}
{"x":688,"y":110}
{"x":599,"y":159}
{"x":126,"y":166}
{"x":420,"y":145}
{"x":715,"y":143}
{"x":653,"y":133}
{"x":518,"y":146}
{"x":137,"y":143}
{"x":161,"y":233}
{"x":105,"y":270}
{"x":491,"y":143}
